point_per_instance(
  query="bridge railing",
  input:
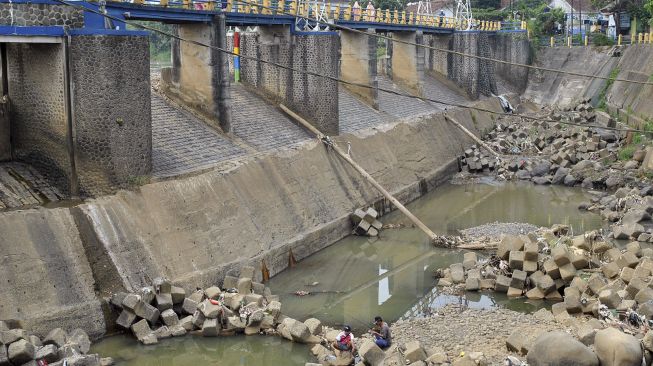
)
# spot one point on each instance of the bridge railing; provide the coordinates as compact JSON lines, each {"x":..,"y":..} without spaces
{"x":336,"y":12}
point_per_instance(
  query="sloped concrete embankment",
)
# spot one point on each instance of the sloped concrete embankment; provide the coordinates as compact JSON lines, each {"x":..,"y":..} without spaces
{"x":630,"y":101}
{"x":58,"y":263}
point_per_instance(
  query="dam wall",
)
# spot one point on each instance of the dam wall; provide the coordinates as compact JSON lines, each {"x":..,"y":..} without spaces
{"x":62,"y":263}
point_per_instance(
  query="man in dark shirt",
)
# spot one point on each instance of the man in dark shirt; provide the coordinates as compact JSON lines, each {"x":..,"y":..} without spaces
{"x":381,"y":332}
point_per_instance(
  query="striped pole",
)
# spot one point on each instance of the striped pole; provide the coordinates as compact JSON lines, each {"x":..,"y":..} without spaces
{"x":236,"y":57}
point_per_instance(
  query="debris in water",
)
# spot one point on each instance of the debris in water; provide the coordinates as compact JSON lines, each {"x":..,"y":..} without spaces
{"x":302,"y":293}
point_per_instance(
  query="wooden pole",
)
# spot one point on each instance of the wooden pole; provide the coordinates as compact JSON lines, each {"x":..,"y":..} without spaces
{"x":476,"y":139}
{"x":365,"y":174}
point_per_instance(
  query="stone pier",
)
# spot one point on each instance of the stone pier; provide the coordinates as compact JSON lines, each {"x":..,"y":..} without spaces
{"x":358,"y":64}
{"x":408,"y":61}
{"x":198,"y":76}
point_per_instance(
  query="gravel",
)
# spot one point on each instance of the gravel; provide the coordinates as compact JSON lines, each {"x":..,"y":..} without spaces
{"x":471,"y":330}
{"x":496,"y":229}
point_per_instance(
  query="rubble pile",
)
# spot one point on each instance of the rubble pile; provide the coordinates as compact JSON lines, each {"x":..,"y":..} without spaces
{"x":20,"y":347}
{"x":240,"y":306}
{"x":584,"y":273}
{"x":365,"y":222}
{"x":477,"y":161}
{"x":629,"y":209}
{"x":562,"y":154}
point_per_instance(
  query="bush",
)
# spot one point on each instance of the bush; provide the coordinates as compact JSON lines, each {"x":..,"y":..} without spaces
{"x":601,"y":39}
{"x":627,"y":152}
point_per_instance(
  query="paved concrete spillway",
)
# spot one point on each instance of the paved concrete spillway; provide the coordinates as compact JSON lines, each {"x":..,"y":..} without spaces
{"x":360,"y":278}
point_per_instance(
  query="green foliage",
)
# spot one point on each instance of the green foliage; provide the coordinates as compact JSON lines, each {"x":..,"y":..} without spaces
{"x":600,"y":39}
{"x":159,"y":43}
{"x":626,"y":153}
{"x":638,"y":139}
{"x":602,"y":105}
{"x":137,"y":181}
{"x":486,"y":4}
{"x":648,"y":125}
{"x":490,"y":14}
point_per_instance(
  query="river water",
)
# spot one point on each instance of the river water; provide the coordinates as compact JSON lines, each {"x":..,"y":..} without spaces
{"x":391,"y":276}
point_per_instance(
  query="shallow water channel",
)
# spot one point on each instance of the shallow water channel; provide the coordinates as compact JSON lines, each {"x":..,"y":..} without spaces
{"x":358,"y":278}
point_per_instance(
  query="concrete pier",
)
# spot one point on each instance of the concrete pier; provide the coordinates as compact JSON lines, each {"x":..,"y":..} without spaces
{"x":358,"y":64}
{"x":408,"y":61}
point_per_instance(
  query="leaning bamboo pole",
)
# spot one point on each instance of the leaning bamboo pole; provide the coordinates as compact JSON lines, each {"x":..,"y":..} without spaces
{"x":365,"y":174}
{"x":476,"y":139}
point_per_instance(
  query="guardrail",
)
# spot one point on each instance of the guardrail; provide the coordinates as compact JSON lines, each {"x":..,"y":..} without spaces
{"x":588,"y":40}
{"x":329,"y":12}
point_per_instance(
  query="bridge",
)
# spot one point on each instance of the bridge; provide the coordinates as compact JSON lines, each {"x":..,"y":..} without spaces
{"x":77,"y":83}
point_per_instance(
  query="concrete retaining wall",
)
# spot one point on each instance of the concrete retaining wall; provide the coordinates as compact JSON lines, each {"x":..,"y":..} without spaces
{"x":195,"y":230}
{"x":512,"y":47}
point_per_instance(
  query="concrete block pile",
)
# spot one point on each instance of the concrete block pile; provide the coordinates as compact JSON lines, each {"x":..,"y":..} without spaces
{"x":584,"y":274}
{"x":365,"y":222}
{"x":241,"y":306}
{"x":20,"y":347}
{"x":477,"y":160}
{"x":629,"y":209}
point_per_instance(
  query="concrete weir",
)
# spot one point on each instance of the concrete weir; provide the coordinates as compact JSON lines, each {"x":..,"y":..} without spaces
{"x":195,"y":230}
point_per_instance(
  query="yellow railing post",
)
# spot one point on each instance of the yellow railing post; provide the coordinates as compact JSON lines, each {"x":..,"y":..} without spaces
{"x":619,"y":40}
{"x":639,"y":38}
{"x":569,"y":42}
{"x":337,"y":12}
{"x":586,"y":40}
{"x":281,"y":7}
{"x":163,"y":3}
{"x":403,"y":17}
{"x":395,"y":17}
{"x":387,"y":16}
{"x":186,"y":4}
{"x":348,"y":12}
{"x":552,"y":42}
{"x":266,"y":7}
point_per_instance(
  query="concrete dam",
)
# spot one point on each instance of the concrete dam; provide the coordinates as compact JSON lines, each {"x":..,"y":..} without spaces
{"x":114,"y":174}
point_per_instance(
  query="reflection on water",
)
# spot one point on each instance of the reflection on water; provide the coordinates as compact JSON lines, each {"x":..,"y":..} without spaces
{"x":197,"y":350}
{"x":391,"y":276}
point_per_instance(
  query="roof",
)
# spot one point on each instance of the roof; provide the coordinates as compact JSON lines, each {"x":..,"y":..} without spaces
{"x":584,"y":6}
{"x":435,"y":5}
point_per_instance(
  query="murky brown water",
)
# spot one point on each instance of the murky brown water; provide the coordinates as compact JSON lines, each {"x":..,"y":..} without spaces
{"x":359,"y":278}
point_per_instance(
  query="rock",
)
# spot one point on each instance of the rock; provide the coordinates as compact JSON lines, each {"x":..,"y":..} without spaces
{"x":209,"y":310}
{"x":560,"y":348}
{"x":212,"y":292}
{"x":586,"y":334}
{"x":414,"y":352}
{"x":163,"y":301}
{"x":614,"y":348}
{"x":371,"y":353}
{"x":56,"y":336}
{"x":197,"y":296}
{"x":147,"y":294}
{"x":314,"y":326}
{"x":162,"y":285}
{"x":80,"y":337}
{"x":189,"y":306}
{"x":518,"y":279}
{"x":148,"y":312}
{"x":274,"y":308}
{"x":559,"y":176}
{"x":169,"y":318}
{"x":298,"y":331}
{"x":186,"y":323}
{"x":210,"y":328}
{"x":635,"y":216}
{"x":569,"y":180}
{"x":131,"y":301}
{"x":21,"y":352}
{"x":541,"y":169}
{"x":162,"y":332}
{"x":560,"y":255}
{"x":516,"y":259}
{"x":644,"y":295}
{"x":48,"y":352}
{"x":610,"y":298}
{"x":244,"y":286}
{"x":502,"y":284}
{"x":472,"y":284}
{"x":469,"y":260}
{"x":457,"y":273}
{"x":514,"y":341}
{"x":624,"y":232}
{"x":126,"y":319}
{"x":610,"y":270}
{"x":567,"y":272}
{"x":141,"y":329}
{"x":647,"y":341}
{"x":178,"y":294}
{"x":541,"y":180}
{"x":69,"y":350}
{"x":614,"y":181}
{"x":507,"y":244}
{"x":85,"y":360}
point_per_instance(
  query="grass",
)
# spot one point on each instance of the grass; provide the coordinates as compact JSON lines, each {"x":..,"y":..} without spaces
{"x":603,"y":105}
{"x":137,"y":181}
{"x":626,"y":153}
